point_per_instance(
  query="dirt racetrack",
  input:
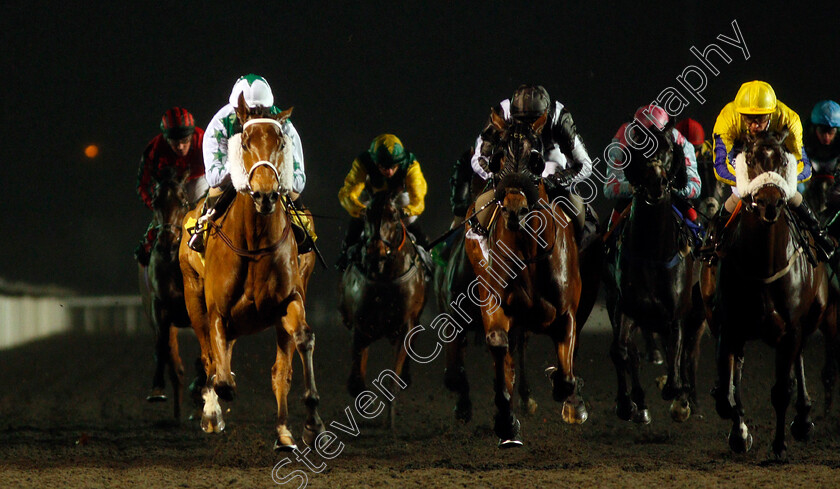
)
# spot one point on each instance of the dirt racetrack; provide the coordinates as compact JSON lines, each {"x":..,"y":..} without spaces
{"x":73,"y":414}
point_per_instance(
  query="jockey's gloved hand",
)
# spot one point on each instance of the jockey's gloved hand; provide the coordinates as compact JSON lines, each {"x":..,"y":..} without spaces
{"x":562,"y":178}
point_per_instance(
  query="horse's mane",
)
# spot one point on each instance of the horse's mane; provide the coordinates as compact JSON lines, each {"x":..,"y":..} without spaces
{"x":677,"y":174}
{"x":378,"y":203}
{"x":522,"y":181}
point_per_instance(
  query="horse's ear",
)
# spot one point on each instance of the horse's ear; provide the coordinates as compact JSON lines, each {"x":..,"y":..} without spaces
{"x":282,"y":116}
{"x":783,"y":134}
{"x":497,"y":120}
{"x":537,"y":125}
{"x":242,"y":109}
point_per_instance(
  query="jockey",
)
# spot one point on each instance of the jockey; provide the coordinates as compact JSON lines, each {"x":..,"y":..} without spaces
{"x":566,"y":159}
{"x":178,"y":148}
{"x":618,"y":188}
{"x":755,"y":110}
{"x":385,"y":166}
{"x":693,"y":131}
{"x":224,"y":125}
{"x":821,"y":142}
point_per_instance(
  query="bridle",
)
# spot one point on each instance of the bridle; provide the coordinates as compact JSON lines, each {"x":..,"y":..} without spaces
{"x":261,"y":163}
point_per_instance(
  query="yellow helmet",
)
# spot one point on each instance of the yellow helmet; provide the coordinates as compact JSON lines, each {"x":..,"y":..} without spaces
{"x":755,"y":98}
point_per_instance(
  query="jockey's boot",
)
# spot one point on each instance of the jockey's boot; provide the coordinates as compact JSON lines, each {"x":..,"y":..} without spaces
{"x":708,"y":250}
{"x":214,"y":206}
{"x":302,"y":238}
{"x":143,"y":252}
{"x":196,"y":242}
{"x":823,"y":242}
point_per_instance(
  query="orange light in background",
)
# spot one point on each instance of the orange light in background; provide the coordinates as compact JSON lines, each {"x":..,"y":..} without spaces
{"x":91,"y":151}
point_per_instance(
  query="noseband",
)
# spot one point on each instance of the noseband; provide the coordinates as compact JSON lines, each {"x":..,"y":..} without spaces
{"x":263,"y":162}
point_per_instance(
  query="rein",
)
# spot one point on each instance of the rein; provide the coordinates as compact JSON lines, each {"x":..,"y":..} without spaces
{"x":253,"y":254}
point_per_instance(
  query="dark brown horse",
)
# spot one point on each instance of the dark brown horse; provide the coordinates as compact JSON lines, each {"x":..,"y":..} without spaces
{"x":651,"y":284}
{"x":383,"y":296}
{"x":253,"y":279}
{"x":528,"y":277}
{"x":452,"y":283}
{"x":766,"y":289}
{"x":162,"y":287}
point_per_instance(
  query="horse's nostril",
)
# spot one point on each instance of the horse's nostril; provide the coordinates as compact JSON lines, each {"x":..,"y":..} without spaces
{"x":274,"y":196}
{"x":256,"y":195}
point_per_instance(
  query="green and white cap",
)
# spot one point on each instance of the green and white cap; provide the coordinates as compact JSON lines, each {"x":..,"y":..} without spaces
{"x":256,"y":90}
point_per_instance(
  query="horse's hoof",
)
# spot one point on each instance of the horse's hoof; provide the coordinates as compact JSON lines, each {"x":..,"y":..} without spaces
{"x":801,"y":430}
{"x":680,"y":410}
{"x":574,"y":413}
{"x":780,"y":451}
{"x":642,"y":416}
{"x":156,"y":396}
{"x":625,"y":411}
{"x":511,"y":443}
{"x":529,"y":406}
{"x":655,"y":357}
{"x":463,"y":410}
{"x":209,"y":425}
{"x":740,"y":441}
{"x":284,"y":444}
{"x":507,"y":428}
{"x":310,"y":433}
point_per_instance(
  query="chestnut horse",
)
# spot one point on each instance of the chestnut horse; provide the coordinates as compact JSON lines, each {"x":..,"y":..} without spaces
{"x":162,"y":287}
{"x":253,"y":278}
{"x":528,"y":276}
{"x":651,"y":283}
{"x":766,"y":289}
{"x":383,"y":296}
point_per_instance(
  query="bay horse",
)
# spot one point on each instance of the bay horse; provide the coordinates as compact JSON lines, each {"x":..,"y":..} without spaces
{"x":651,"y":283}
{"x":384,"y":295}
{"x":452,"y":283}
{"x":252,"y":278}
{"x":766,"y":289}
{"x":527,"y":275}
{"x":162,"y":286}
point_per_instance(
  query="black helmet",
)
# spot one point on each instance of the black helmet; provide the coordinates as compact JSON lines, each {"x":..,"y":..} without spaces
{"x":529,"y":102}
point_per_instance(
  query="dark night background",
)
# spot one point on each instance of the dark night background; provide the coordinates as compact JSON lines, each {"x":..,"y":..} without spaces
{"x":426,"y":71}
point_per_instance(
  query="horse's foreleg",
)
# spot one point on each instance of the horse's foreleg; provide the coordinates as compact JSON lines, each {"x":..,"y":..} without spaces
{"x":281,"y":382}
{"x":356,"y":383}
{"x":506,"y":426}
{"x":294,"y":322}
{"x":455,"y":376}
{"x":565,"y":386}
{"x":158,"y":392}
{"x":695,"y":326}
{"x":221,"y":347}
{"x":780,"y":394}
{"x":176,"y":370}
{"x":529,"y":405}
{"x":673,"y":357}
{"x":400,"y":368}
{"x":619,"y":353}
{"x":802,"y":426}
{"x":727,"y":392}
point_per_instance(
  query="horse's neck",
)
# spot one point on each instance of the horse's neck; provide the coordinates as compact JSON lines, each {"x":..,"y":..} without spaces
{"x":761,"y":247}
{"x":252,"y":228}
{"x":652,"y":230}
